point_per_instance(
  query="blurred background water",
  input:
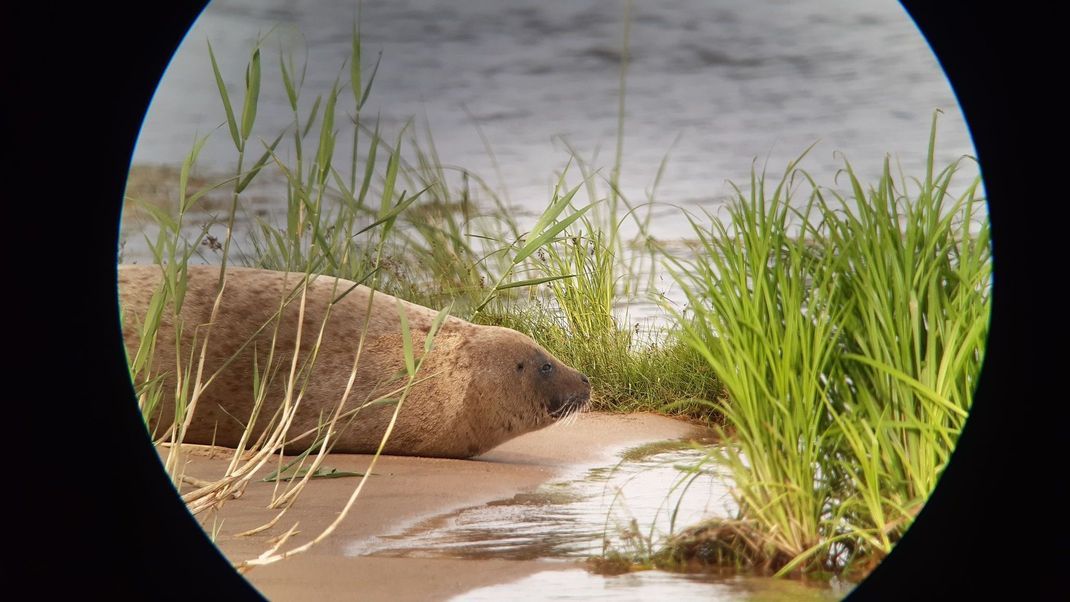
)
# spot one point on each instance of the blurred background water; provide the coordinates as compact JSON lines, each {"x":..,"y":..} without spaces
{"x":735,"y":79}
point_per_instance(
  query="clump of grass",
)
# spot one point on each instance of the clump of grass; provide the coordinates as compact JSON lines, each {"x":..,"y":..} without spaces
{"x":849,"y":335}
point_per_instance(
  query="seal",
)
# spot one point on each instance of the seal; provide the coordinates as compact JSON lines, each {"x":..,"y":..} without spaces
{"x":477,"y":387}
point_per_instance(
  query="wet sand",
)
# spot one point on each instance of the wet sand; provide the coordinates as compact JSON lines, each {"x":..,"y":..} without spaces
{"x":403,"y":491}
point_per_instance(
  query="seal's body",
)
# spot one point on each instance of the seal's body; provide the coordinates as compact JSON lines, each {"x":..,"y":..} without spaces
{"x":478,"y":386}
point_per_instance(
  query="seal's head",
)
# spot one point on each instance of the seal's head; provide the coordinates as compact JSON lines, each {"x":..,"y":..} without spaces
{"x":516,"y":385}
{"x":559,"y":389}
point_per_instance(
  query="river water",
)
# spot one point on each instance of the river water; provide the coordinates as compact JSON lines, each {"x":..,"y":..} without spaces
{"x":631,"y":507}
{"x":578,"y":514}
{"x":735,"y":80}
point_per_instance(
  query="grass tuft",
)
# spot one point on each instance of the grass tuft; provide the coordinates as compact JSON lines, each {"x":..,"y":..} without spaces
{"x":849,"y":336}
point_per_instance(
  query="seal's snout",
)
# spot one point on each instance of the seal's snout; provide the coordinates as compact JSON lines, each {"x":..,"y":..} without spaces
{"x":585,"y":394}
{"x":574,"y":401}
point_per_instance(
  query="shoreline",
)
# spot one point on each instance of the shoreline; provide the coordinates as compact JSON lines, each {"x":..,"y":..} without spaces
{"x":403,"y":491}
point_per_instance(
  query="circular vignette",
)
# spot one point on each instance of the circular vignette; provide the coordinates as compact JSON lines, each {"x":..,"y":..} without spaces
{"x":945,"y":534}
{"x":950,"y":551}
{"x":105,"y":519}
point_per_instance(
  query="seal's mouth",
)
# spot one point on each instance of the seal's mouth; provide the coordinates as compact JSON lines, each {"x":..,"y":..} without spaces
{"x":573,"y":404}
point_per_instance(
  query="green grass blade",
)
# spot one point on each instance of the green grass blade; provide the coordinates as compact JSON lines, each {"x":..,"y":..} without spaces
{"x":268,"y":152}
{"x":325,"y":150}
{"x":312,"y":114}
{"x":557,"y":205}
{"x":393,"y":213}
{"x":362,"y":280}
{"x":252,"y":96}
{"x":435,"y":325}
{"x":371,"y":79}
{"x":231,"y":122}
{"x":354,"y":62}
{"x":183,"y":175}
{"x":369,"y":165}
{"x":534,"y":281}
{"x":287,"y":83}
{"x":391,"y":177}
{"x":532,"y":245}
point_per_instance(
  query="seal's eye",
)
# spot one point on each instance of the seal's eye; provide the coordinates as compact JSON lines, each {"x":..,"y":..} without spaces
{"x":520,"y":366}
{"x":546,"y":368}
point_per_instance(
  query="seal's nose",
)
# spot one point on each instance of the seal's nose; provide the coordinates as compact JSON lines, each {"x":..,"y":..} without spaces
{"x":583,"y":377}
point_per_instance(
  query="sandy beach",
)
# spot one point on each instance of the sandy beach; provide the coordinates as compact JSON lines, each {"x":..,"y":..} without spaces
{"x":405,"y":490}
